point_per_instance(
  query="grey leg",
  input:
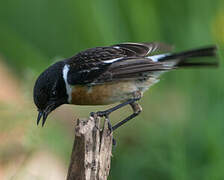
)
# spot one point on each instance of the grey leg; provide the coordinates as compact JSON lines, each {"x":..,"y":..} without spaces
{"x":136,"y":111}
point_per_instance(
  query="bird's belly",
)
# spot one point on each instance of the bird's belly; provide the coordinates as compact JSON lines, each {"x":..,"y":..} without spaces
{"x":107,"y":93}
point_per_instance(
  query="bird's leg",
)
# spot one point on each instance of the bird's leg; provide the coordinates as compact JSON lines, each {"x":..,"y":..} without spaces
{"x":136,"y":111}
{"x":108,"y":111}
{"x":136,"y":96}
{"x":135,"y":106}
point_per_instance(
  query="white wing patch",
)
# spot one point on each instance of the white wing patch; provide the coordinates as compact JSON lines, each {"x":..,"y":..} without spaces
{"x":112,"y":60}
{"x":116,"y":47}
{"x":169,"y":63}
{"x":156,"y":58}
{"x":68,"y":87}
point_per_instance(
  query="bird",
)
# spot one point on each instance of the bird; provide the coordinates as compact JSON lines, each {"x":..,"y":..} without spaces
{"x":119,"y":73}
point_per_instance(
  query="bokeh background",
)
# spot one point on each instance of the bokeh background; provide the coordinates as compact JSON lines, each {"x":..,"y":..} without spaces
{"x":179,"y":135}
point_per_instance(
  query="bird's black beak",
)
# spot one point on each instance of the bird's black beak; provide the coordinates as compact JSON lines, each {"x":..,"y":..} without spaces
{"x":40,"y":114}
{"x":43,"y":114}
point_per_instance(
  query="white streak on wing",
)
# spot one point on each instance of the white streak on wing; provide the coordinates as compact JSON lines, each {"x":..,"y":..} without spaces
{"x":112,"y":60}
{"x":156,"y":58}
{"x":68,"y":87}
{"x":116,"y":47}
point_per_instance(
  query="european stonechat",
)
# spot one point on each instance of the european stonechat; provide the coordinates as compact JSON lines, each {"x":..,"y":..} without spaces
{"x":106,"y":75}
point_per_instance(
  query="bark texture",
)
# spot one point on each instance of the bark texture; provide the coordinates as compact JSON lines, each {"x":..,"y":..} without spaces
{"x":91,"y":154}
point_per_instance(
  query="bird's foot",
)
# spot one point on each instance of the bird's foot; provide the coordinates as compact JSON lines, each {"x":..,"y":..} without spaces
{"x":110,"y":128}
{"x":103,"y":114}
{"x":100,"y":114}
{"x":114,"y":142}
{"x":106,"y":115}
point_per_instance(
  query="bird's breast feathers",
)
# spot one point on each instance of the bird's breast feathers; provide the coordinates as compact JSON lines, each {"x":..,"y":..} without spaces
{"x":109,"y":92}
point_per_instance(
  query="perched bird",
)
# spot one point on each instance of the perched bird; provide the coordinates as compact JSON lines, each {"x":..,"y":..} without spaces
{"x":106,"y":75}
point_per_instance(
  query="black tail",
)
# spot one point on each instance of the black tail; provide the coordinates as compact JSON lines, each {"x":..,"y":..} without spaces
{"x":194,"y":58}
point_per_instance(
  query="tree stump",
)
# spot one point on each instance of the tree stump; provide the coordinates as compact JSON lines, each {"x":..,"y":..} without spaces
{"x":91,"y":154}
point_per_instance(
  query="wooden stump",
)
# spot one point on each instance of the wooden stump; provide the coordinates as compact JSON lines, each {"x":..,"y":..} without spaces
{"x":91,"y":154}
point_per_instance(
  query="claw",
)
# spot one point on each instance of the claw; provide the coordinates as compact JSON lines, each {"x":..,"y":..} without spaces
{"x":109,"y":125}
{"x":92,"y":114}
{"x":114,"y":143}
{"x":102,"y":113}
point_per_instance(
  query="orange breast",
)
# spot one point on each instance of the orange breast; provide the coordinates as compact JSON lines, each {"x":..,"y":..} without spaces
{"x":106,"y":93}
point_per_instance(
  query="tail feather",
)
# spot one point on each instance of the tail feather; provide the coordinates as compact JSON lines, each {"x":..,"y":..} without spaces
{"x":193,"y":58}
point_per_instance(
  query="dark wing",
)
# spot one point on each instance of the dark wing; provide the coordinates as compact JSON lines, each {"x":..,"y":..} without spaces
{"x":101,"y":64}
{"x":144,"y":49}
{"x":132,"y":69}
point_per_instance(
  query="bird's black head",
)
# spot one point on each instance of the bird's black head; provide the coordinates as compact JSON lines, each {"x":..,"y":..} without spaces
{"x":50,"y":90}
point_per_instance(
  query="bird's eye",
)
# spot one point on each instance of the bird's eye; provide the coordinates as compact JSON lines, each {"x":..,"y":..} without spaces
{"x":54,"y":93}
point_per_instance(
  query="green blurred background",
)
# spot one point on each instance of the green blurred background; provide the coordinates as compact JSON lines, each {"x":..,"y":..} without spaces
{"x":179,"y":135}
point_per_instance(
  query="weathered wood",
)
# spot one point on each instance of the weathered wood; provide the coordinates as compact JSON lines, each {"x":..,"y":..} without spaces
{"x":91,"y":154}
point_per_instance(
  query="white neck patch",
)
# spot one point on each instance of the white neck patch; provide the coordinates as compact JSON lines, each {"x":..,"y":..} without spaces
{"x":68,"y":87}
